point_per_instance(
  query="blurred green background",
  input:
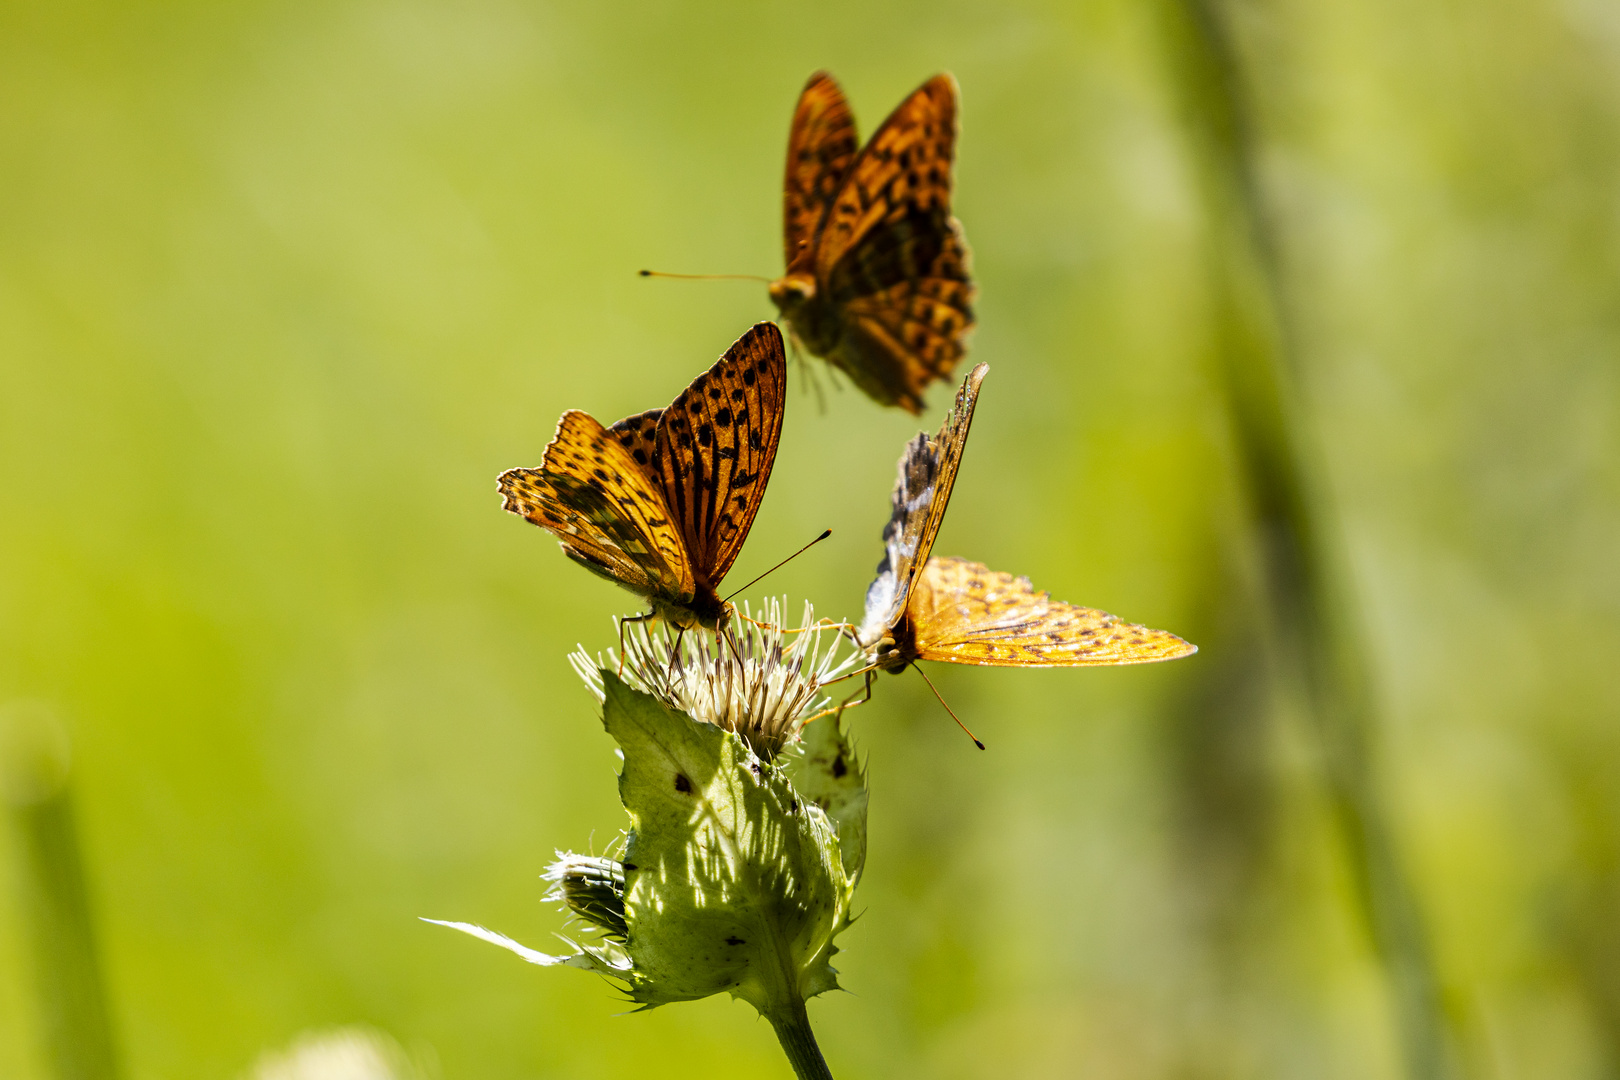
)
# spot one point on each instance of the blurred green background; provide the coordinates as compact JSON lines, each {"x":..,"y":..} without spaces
{"x":284,"y":285}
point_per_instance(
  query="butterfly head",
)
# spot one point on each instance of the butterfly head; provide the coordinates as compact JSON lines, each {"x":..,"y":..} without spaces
{"x":894,"y":651}
{"x":706,"y":610}
{"x":792,"y":292}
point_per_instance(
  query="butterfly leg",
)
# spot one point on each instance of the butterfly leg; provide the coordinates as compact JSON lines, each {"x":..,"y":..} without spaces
{"x":731,"y":643}
{"x":645,"y":616}
{"x":674,"y":656}
{"x":807,"y":375}
{"x":849,"y":702}
{"x":867,"y":671}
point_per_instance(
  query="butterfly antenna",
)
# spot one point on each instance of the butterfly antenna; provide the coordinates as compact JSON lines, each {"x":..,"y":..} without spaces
{"x":918,"y":669}
{"x":704,"y":277}
{"x":781,"y":564}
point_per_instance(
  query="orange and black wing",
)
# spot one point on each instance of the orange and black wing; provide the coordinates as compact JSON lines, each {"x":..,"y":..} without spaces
{"x":603,"y":506}
{"x":922,"y":491}
{"x":891,"y":259}
{"x":821,"y":144}
{"x":965,"y":613}
{"x":716,"y":444}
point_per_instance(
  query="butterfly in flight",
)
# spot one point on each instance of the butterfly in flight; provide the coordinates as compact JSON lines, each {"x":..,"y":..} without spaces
{"x":877,"y":268}
{"x":961,"y":612}
{"x":662,"y":501}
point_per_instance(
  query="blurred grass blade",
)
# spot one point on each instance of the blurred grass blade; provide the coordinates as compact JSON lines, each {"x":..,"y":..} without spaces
{"x":1312,"y":618}
{"x":77,"y":1035}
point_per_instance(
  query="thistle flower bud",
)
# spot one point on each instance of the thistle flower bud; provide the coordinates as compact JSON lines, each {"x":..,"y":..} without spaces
{"x":592,"y":887}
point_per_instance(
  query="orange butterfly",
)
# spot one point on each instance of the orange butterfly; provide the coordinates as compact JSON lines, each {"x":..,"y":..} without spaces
{"x":877,"y":268}
{"x":922,"y":608}
{"x":661,"y":501}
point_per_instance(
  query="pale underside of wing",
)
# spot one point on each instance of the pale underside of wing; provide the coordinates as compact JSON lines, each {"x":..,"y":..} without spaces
{"x":716,"y":444}
{"x":603,"y":507}
{"x":922,"y":492}
{"x":965,"y":613}
{"x":821,"y":145}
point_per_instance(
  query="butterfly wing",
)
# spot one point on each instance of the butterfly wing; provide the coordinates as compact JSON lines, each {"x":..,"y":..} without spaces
{"x":591,"y":493}
{"x":716,"y":444}
{"x":912,"y":331}
{"x":821,"y":144}
{"x":890,"y":258}
{"x":965,"y":613}
{"x":922,"y":491}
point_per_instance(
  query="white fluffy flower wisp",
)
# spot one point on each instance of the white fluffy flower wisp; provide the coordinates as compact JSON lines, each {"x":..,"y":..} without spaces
{"x":753,"y":678}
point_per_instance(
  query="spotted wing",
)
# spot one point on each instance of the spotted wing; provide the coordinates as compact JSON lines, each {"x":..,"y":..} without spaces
{"x":716,"y":444}
{"x":590,"y":492}
{"x":892,"y":260}
{"x":922,"y":491}
{"x":913,"y":328}
{"x":821,"y":144}
{"x":965,"y":613}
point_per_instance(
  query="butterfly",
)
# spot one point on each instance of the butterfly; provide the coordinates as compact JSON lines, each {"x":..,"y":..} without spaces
{"x":877,"y":268}
{"x":662,"y":501}
{"x":961,"y":612}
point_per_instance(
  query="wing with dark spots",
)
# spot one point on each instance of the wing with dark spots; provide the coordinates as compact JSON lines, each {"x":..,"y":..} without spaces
{"x":821,"y":144}
{"x":890,"y":259}
{"x":592,"y":495}
{"x":907,"y":308}
{"x":903,"y":173}
{"x":965,"y":613}
{"x":638,"y":434}
{"x":716,"y":444}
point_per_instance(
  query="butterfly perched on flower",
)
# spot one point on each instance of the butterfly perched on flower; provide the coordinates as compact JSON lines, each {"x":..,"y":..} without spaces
{"x":961,"y":612}
{"x":662,"y":501}
{"x":877,"y":269}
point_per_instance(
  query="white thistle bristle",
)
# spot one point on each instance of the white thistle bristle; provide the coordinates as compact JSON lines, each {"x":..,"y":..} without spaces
{"x":754,"y":678}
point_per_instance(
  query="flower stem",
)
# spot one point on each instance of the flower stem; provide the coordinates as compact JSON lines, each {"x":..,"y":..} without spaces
{"x":792,"y":1024}
{"x":1305,"y":567}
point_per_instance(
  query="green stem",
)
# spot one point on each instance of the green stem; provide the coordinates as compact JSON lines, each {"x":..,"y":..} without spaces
{"x":1304,"y":570}
{"x":72,"y":1005}
{"x":783,"y":1006}
{"x":792,"y":1024}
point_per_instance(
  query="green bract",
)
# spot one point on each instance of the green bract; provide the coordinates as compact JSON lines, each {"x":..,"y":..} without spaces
{"x":736,"y":878}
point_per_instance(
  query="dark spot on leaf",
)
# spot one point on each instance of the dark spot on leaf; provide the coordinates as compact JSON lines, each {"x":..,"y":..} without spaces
{"x":682,"y":784}
{"x":839,"y":768}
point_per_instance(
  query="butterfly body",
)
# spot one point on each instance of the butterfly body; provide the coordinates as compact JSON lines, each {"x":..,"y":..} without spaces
{"x":661,"y":501}
{"x":877,"y":277}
